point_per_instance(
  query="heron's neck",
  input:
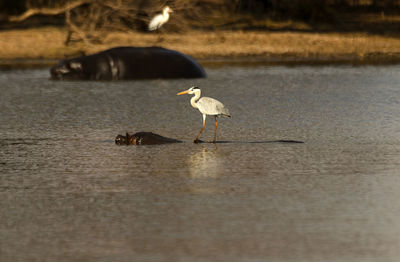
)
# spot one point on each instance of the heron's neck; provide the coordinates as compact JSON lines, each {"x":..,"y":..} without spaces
{"x":166,"y":14}
{"x":193,"y":100}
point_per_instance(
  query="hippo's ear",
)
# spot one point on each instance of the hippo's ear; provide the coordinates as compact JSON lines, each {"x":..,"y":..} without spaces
{"x":75,"y":65}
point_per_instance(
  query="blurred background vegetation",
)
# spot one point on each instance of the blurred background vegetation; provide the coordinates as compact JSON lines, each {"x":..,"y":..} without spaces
{"x":90,"y":20}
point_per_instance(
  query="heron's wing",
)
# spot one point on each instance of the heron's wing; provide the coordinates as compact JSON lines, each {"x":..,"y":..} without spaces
{"x":154,"y":23}
{"x":211,"y":106}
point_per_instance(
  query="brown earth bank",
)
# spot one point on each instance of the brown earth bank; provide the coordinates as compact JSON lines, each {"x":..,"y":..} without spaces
{"x":45,"y":46}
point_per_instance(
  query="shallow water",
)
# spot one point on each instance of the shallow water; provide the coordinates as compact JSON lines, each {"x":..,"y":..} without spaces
{"x":68,"y":193}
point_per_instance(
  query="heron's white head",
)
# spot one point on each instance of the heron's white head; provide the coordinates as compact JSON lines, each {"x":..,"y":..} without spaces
{"x":190,"y":91}
{"x":167,"y":10}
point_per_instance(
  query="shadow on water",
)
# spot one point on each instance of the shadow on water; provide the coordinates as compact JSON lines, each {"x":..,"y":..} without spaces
{"x":283,"y":141}
{"x":253,"y":142}
{"x":21,"y":141}
{"x":24,"y":141}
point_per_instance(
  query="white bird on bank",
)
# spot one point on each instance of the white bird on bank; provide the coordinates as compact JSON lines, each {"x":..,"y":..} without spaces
{"x":160,"y":19}
{"x":207,"y":106}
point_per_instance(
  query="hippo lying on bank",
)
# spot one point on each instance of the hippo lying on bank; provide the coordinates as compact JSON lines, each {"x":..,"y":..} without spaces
{"x":129,"y":63}
{"x":144,"y":138}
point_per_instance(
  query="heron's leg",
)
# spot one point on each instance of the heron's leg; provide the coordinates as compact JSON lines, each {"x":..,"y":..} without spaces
{"x":202,"y":129}
{"x":160,"y":37}
{"x":215,"y":131}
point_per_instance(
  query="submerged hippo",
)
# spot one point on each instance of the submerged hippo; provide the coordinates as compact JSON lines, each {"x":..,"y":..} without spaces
{"x":144,"y":138}
{"x":149,"y":138}
{"x":129,"y":63}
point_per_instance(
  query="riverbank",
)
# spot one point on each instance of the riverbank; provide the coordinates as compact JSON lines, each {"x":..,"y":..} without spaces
{"x":45,"y":46}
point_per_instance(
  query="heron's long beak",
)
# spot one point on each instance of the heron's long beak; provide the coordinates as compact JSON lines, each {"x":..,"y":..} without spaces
{"x":183,"y":92}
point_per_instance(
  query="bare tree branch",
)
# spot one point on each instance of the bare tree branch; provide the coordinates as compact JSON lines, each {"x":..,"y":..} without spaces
{"x":90,"y":21}
{"x":47,"y":11}
{"x":73,"y":29}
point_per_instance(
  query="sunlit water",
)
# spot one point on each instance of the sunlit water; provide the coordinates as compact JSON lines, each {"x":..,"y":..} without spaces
{"x":68,"y":193}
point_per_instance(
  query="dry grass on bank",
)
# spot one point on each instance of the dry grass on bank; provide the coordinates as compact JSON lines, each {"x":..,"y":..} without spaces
{"x":48,"y":43}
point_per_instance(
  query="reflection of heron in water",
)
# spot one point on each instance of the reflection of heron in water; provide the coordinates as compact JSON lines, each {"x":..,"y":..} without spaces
{"x":160,"y":19}
{"x":204,"y":163}
{"x":206,"y":106}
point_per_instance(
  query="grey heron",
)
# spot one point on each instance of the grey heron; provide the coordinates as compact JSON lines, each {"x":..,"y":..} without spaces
{"x":207,"y":106}
{"x":160,"y":19}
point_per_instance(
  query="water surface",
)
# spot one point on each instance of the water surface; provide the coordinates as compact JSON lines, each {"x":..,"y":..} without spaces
{"x":68,"y":193}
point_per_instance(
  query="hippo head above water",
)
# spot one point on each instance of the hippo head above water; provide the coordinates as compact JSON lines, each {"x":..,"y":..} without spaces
{"x":129,"y":63}
{"x":69,"y":69}
{"x":144,"y":138}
